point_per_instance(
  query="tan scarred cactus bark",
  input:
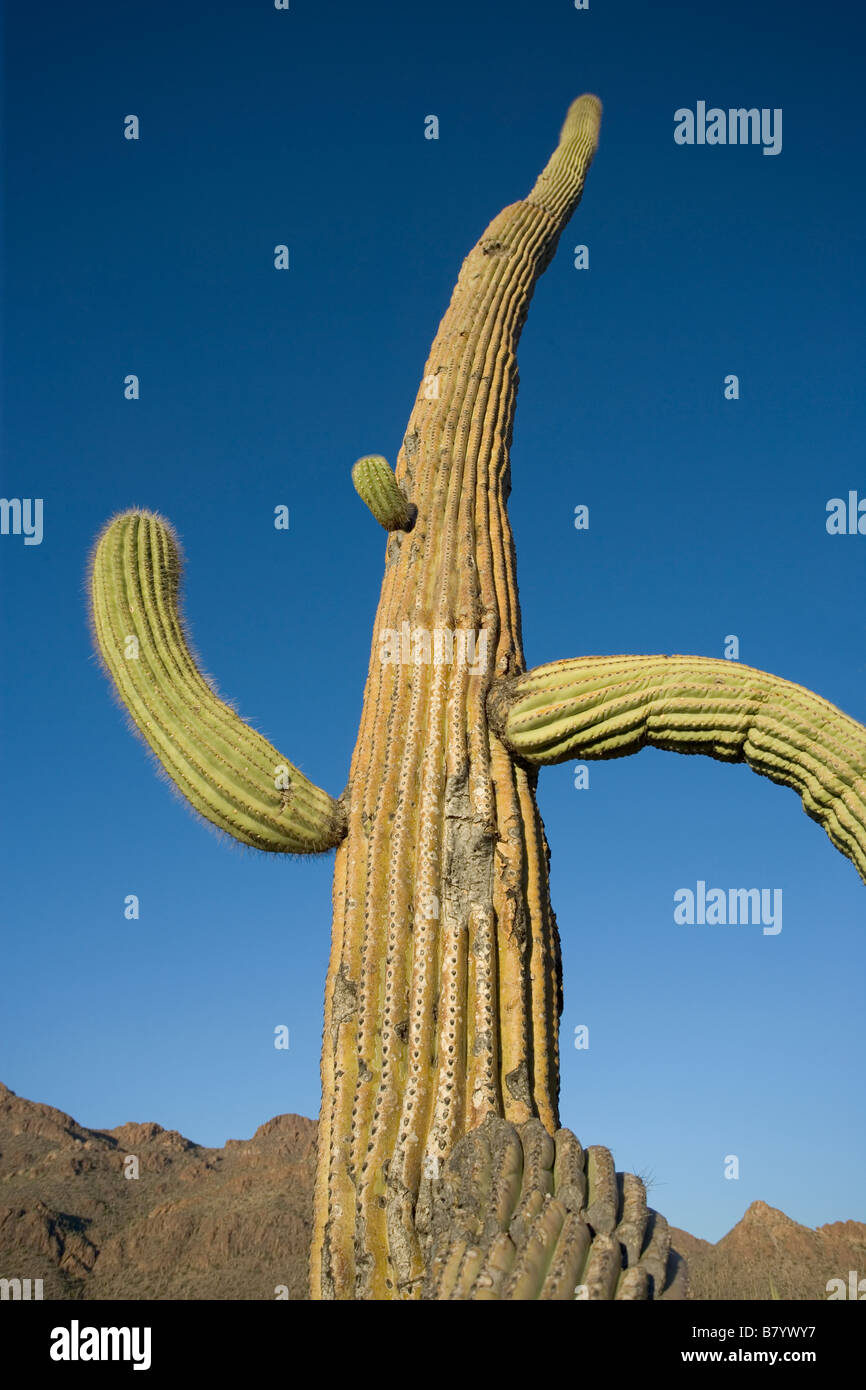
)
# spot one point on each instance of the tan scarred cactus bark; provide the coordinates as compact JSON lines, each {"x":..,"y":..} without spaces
{"x":443,"y":992}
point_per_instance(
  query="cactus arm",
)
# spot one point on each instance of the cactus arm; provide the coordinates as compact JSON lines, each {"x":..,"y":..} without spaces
{"x":608,"y":707}
{"x":378,"y":488}
{"x":229,"y":773}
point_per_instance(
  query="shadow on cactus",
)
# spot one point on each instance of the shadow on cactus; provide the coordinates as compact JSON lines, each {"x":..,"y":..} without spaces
{"x":442,"y":1170}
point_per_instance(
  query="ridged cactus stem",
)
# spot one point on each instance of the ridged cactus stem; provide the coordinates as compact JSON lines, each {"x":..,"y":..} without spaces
{"x":521,"y":1214}
{"x":229,"y":773}
{"x":610,"y":706}
{"x":443,"y":990}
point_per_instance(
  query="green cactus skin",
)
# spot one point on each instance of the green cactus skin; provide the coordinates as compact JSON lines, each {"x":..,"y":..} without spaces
{"x":231,"y":775}
{"x":519,"y":1215}
{"x":377,"y":486}
{"x":610,"y":706}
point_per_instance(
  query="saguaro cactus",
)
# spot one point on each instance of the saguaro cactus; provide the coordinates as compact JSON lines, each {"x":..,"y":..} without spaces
{"x":442,"y":1170}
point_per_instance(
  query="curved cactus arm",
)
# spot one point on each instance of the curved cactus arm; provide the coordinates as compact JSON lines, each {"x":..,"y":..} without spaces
{"x":610,"y":706}
{"x":231,"y":775}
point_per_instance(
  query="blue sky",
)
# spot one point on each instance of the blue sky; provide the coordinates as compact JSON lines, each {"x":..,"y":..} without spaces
{"x":259,"y":388}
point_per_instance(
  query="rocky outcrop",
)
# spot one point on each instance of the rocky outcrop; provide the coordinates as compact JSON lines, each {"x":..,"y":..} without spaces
{"x":140,"y":1212}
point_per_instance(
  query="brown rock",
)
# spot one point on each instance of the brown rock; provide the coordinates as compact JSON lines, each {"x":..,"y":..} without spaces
{"x":197,"y":1222}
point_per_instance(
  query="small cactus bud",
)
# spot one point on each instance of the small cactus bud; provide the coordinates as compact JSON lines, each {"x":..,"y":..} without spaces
{"x":376,"y":485}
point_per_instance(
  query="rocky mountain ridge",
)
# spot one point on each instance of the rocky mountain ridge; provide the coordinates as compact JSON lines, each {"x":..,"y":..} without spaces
{"x":140,"y":1212}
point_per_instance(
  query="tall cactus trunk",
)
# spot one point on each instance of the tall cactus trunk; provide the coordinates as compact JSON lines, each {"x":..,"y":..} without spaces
{"x":443,"y":991}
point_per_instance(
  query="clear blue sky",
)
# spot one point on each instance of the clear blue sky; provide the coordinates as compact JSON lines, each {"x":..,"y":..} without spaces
{"x":707,"y":517}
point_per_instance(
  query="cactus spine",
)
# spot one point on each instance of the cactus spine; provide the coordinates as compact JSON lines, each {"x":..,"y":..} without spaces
{"x":442,"y":1170}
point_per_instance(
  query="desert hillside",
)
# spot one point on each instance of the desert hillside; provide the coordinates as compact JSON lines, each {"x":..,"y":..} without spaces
{"x":196,"y":1223}
{"x":235,"y":1222}
{"x":767,"y":1255}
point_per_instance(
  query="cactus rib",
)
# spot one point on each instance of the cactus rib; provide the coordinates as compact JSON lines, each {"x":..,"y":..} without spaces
{"x":229,"y":773}
{"x":611,"y":706}
{"x":573,"y":1228}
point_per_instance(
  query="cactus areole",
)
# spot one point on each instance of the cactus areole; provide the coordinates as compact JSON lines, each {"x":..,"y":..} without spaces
{"x":444,"y":987}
